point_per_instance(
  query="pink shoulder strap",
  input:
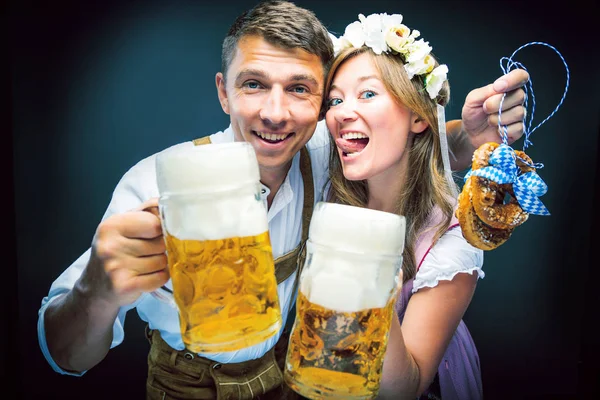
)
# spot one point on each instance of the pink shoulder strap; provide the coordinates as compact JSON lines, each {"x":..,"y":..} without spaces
{"x":425,"y":240}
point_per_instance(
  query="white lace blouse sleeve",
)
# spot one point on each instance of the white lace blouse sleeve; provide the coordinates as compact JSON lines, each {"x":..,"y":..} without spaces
{"x":451,"y":255}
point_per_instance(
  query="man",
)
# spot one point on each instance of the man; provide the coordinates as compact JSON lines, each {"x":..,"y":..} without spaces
{"x":274,"y":61}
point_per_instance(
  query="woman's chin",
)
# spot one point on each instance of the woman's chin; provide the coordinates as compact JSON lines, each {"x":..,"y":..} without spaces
{"x":352,"y":174}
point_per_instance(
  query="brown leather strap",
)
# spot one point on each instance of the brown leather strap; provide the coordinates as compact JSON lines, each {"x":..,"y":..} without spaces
{"x":202,"y":140}
{"x":287,"y":263}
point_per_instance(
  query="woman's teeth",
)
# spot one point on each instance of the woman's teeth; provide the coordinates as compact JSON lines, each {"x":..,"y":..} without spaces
{"x":355,"y":143}
{"x":272,"y":136}
{"x":354,"y":135}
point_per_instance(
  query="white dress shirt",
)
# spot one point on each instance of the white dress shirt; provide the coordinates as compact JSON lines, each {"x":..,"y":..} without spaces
{"x":285,"y":229}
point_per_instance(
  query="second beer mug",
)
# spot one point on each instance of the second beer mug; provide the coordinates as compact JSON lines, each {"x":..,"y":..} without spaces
{"x":218,"y":247}
{"x":345,"y":304}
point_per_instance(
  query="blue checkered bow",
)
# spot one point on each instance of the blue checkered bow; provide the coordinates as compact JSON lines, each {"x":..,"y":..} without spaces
{"x":503,"y":169}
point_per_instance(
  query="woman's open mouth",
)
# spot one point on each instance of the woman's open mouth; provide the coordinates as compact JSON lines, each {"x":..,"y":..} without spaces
{"x":352,"y":143}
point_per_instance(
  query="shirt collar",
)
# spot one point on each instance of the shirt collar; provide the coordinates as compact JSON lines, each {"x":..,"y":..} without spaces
{"x":285,"y":194}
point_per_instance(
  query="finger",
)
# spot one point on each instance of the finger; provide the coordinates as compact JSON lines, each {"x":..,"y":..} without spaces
{"x":477,"y":97}
{"x":151,"y":282}
{"x":513,"y":80}
{"x":514,"y":131}
{"x":150,"y":203}
{"x":148,"y":265}
{"x":139,"y":225}
{"x":143,"y":282}
{"x":512,"y":99}
{"x":515,"y":114}
{"x":144,"y":247}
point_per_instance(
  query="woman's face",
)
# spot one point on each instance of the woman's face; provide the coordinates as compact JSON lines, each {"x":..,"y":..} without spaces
{"x":370,"y":129}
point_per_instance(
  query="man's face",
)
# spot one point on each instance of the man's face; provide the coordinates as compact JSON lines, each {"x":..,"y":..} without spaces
{"x":273,"y":96}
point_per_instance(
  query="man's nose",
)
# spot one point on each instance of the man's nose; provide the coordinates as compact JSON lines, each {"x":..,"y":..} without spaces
{"x":275,"y":109}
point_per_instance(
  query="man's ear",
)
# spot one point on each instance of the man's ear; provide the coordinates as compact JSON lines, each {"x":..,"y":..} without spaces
{"x":417,"y":124}
{"x":222,"y":92}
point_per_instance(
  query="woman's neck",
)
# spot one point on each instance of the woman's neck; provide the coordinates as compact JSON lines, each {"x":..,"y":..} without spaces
{"x":385,"y":189}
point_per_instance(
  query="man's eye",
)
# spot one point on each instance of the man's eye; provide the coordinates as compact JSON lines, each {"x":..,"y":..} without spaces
{"x":334,"y":102}
{"x":252,"y":85}
{"x":367,"y":94}
{"x":299,"y":89}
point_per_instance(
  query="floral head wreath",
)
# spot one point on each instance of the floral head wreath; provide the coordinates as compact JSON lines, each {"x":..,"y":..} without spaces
{"x":386,"y":34}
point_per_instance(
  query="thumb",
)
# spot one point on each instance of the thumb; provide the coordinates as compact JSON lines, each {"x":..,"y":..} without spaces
{"x":150,"y":206}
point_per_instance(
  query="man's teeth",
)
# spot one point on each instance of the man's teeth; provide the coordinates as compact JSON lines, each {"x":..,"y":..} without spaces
{"x":354,"y":154}
{"x":354,"y":135}
{"x":271,"y":136}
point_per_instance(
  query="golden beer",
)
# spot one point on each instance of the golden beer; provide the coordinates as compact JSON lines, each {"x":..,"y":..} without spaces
{"x":226,"y":291}
{"x":337,"y":354}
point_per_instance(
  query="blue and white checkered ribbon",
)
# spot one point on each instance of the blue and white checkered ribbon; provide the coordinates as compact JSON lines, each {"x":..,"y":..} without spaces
{"x":502,"y":168}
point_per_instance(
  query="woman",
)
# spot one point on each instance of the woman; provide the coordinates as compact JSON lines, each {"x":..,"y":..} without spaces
{"x":384,"y":88}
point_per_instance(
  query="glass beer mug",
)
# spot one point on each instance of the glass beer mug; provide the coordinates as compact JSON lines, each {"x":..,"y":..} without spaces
{"x":345,"y":303}
{"x":219,"y":253}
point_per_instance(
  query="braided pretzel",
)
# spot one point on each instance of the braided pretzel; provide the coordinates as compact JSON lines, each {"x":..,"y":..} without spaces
{"x":488,"y":197}
{"x":487,"y":221}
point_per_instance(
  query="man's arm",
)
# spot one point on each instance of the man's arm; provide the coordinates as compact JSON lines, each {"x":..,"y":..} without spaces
{"x":479,"y":122}
{"x":127,"y":259}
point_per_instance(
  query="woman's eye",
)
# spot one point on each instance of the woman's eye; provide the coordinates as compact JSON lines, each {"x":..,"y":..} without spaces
{"x":367,"y":94}
{"x":334,"y":102}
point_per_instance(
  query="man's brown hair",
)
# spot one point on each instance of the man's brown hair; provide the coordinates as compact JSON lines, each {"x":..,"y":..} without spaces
{"x":282,"y":24}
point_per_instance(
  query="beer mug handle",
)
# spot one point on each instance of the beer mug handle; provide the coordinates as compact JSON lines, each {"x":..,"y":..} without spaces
{"x":165,"y":295}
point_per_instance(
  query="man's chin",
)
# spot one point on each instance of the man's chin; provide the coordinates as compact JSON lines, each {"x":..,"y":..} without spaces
{"x":274,"y":162}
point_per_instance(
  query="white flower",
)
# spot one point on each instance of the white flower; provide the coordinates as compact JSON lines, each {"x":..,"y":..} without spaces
{"x":354,"y":34}
{"x":435,"y":79}
{"x":417,"y":50}
{"x":374,"y":34}
{"x":339,"y":44}
{"x":391,"y":20}
{"x":419,"y":67}
{"x":396,"y":37}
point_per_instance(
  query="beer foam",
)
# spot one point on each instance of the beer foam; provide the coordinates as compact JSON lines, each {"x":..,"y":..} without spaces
{"x":207,"y":168}
{"x":356,"y":257}
{"x":211,"y":192}
{"x":336,"y":292}
{"x":357,"y":229}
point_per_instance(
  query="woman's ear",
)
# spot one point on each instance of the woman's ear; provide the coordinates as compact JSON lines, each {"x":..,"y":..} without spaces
{"x":417,"y":124}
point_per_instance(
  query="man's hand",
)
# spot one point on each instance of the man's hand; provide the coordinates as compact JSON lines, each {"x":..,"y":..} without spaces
{"x":128,"y":256}
{"x":480,"y":111}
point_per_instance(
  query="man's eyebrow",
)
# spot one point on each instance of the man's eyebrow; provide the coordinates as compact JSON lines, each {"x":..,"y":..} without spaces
{"x":257,"y":73}
{"x":249,"y":72}
{"x":305,"y":77}
{"x":360,"y":79}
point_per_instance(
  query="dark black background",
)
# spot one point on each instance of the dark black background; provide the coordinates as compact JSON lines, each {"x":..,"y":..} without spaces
{"x":93,"y":88}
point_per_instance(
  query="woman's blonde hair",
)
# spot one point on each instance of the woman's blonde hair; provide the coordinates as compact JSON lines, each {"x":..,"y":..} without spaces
{"x":426,"y":185}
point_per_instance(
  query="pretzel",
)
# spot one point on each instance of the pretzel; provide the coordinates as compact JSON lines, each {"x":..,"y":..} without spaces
{"x":487,"y":220}
{"x":473,"y":229}
{"x":488,"y":196}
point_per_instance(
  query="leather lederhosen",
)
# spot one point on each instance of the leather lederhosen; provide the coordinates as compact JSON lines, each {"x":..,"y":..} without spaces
{"x":180,"y":374}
